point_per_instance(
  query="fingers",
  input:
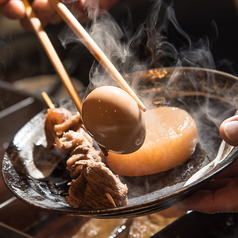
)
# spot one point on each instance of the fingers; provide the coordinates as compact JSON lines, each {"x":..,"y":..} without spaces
{"x":221,"y":200}
{"x":13,"y":9}
{"x":45,"y":12}
{"x":229,"y":130}
{"x":84,"y":10}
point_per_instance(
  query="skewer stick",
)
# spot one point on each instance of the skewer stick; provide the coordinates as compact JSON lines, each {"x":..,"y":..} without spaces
{"x":109,"y":197}
{"x":51,"y":105}
{"x":95,"y":50}
{"x":52,"y":55}
{"x":48,"y":100}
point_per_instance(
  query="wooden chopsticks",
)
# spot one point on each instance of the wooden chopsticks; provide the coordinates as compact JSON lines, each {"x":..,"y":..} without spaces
{"x":52,"y":55}
{"x":91,"y":45}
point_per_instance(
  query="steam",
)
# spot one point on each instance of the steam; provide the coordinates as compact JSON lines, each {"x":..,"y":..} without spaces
{"x":154,"y":44}
{"x":159,"y":42}
{"x":166,"y":44}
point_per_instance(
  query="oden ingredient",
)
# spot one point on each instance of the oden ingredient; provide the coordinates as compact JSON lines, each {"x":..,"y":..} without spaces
{"x":171,"y":139}
{"x":93,"y":185}
{"x":114,"y":120}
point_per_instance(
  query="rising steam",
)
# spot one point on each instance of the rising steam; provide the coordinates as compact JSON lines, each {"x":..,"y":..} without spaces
{"x":159,"y":42}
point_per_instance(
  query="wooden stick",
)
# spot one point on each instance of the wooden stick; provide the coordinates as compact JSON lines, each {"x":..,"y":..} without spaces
{"x":109,"y":197}
{"x":52,"y":55}
{"x":91,"y":45}
{"x":48,"y":100}
{"x":51,"y":105}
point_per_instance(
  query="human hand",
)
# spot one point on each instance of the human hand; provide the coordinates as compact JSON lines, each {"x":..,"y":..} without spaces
{"x":82,"y":9}
{"x":229,"y":130}
{"x":221,"y":194}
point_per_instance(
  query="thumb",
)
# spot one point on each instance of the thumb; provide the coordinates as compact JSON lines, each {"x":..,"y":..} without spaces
{"x":229,"y":130}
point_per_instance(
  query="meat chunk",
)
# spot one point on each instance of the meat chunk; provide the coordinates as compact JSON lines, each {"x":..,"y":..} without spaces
{"x":81,"y":155}
{"x":72,"y":123}
{"x":71,"y":139}
{"x":90,"y":189}
{"x":53,"y":117}
{"x":93,"y":184}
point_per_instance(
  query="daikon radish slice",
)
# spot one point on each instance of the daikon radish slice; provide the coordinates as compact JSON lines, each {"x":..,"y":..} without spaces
{"x":171,"y":138}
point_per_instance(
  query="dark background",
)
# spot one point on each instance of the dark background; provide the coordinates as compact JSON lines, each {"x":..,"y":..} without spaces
{"x":22,"y":55}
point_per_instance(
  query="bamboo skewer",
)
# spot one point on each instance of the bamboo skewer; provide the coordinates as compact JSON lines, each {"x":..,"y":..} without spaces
{"x":51,"y":106}
{"x":52,"y":55}
{"x":48,"y":100}
{"x":109,"y":197}
{"x":90,"y":44}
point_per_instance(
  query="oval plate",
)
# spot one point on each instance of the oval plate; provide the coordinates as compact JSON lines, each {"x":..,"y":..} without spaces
{"x":208,"y":95}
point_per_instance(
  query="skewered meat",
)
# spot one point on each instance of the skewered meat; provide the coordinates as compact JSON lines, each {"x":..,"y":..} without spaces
{"x":90,"y":188}
{"x":71,"y":139}
{"x":72,"y":123}
{"x":81,"y":155}
{"x":93,"y":184}
{"x":53,"y":117}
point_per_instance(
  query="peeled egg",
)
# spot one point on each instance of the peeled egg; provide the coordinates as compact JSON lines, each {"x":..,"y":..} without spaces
{"x":112,"y":117}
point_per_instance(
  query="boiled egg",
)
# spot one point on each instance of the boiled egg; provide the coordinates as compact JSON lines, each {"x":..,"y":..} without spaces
{"x":112,"y":117}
